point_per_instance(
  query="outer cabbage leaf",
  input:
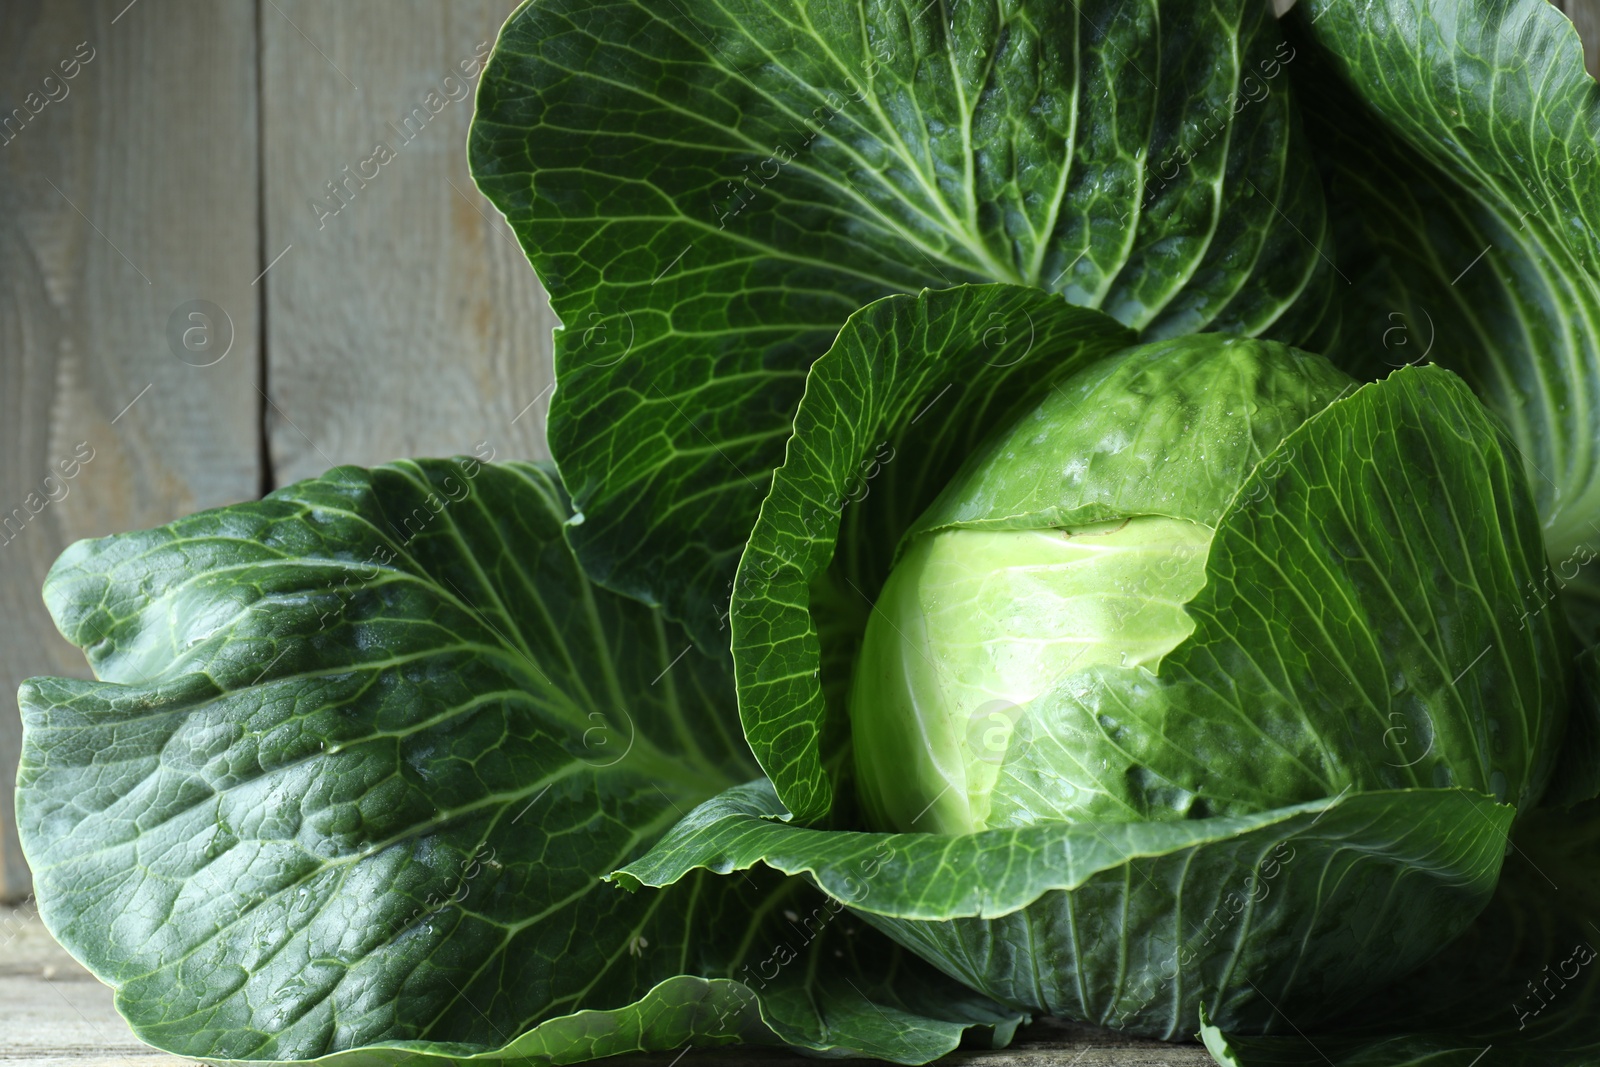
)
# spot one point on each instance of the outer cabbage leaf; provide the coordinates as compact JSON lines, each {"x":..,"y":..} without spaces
{"x":1141,"y":925}
{"x":911,"y":387}
{"x":708,"y":190}
{"x":358,"y":758}
{"x":1521,"y":989}
{"x":1461,"y":140}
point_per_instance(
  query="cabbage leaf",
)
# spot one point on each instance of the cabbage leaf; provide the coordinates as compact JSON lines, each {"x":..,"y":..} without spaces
{"x":708,"y":190}
{"x":356,"y":761}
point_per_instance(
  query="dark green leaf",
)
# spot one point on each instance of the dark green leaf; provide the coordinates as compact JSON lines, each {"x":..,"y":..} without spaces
{"x":358,"y":758}
{"x":1460,"y":140}
{"x":1137,"y":925}
{"x":709,"y":189}
{"x":1521,"y":989}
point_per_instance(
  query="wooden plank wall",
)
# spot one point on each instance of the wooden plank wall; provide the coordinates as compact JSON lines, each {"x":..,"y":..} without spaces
{"x":182,"y":159}
{"x":404,"y":319}
{"x":132,"y":194}
{"x":186,"y":155}
{"x":1585,"y":14}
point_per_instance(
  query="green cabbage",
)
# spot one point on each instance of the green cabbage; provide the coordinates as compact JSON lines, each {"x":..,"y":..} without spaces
{"x":1072,"y":541}
{"x":1351,"y":662}
{"x":964,"y":595}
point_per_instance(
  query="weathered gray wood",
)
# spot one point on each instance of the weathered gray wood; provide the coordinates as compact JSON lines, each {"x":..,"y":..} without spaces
{"x":132,"y":193}
{"x":403,"y":319}
{"x":1585,"y":15}
{"x":53,"y":1012}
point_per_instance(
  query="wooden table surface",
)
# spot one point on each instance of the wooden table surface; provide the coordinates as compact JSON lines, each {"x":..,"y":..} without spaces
{"x":55,"y":1013}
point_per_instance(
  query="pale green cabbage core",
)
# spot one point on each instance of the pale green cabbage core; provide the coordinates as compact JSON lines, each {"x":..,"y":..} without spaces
{"x":973,"y":624}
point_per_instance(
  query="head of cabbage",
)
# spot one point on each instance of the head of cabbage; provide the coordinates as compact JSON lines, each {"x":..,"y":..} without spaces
{"x":1059,"y":641}
{"x":1008,"y":671}
{"x":1160,"y":683}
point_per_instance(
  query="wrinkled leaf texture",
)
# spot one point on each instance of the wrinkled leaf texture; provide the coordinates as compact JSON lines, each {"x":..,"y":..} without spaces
{"x":1460,"y":142}
{"x":1143,"y":925}
{"x":708,"y":190}
{"x":357,"y":759}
